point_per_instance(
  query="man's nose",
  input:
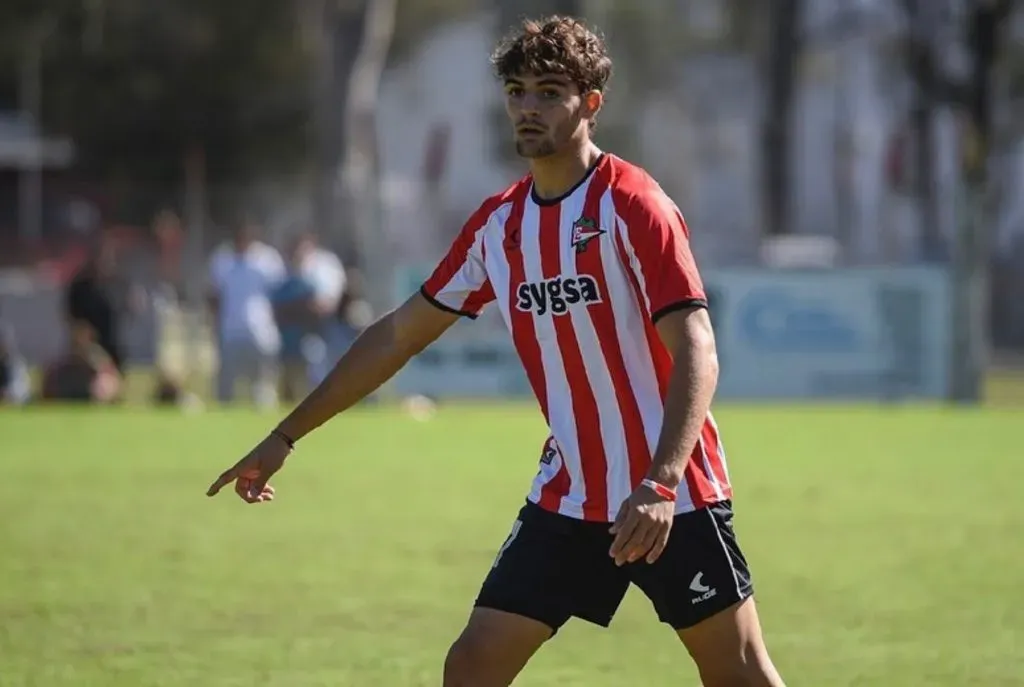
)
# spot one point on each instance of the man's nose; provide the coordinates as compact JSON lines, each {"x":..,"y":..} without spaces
{"x":531,"y":103}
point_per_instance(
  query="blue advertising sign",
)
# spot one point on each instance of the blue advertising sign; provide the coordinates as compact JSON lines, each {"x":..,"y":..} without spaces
{"x":844,"y":333}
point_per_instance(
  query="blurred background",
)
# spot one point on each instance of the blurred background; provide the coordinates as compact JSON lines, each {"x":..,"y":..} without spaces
{"x":852,"y":172}
{"x":202,"y":203}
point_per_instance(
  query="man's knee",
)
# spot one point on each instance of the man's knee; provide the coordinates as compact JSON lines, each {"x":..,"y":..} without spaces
{"x":729,"y":649}
{"x":458,"y":664}
{"x":469,"y":661}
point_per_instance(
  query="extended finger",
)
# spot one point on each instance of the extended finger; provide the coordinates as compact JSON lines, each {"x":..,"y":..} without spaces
{"x":221,"y":482}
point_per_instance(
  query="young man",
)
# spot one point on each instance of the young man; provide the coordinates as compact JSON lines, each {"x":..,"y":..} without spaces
{"x":589,"y":264}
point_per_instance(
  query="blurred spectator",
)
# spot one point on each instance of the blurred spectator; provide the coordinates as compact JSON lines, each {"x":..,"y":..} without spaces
{"x":242,"y":275}
{"x":170,"y":240}
{"x":15,"y":384}
{"x":169,"y":391}
{"x":86,"y":373}
{"x":92,"y":297}
{"x":305,"y":304}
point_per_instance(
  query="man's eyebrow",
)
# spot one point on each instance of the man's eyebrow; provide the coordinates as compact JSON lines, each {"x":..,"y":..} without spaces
{"x":546,"y":81}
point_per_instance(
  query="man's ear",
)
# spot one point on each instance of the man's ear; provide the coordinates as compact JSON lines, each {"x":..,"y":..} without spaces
{"x":592,"y":102}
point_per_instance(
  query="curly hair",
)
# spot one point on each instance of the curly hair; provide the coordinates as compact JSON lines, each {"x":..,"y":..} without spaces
{"x":554,"y":45}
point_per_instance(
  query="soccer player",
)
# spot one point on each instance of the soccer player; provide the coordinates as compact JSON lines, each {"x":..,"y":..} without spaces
{"x":588,"y":261}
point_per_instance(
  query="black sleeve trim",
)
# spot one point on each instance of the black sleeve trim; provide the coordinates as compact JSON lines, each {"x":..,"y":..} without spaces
{"x":679,"y":305}
{"x":441,"y":306}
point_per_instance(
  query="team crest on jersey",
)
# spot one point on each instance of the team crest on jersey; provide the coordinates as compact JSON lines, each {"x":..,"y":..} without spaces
{"x":584,"y":230}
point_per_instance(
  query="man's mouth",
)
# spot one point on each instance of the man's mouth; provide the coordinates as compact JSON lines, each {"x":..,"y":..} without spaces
{"x":529,"y":129}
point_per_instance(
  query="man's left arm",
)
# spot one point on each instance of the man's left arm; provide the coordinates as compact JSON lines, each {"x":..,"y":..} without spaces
{"x":687,"y":334}
{"x":658,"y":248}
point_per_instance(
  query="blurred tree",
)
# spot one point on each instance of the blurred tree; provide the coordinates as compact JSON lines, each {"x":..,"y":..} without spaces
{"x":361,"y":169}
{"x":935,"y":84}
{"x":136,"y":83}
{"x":921,"y":58}
{"x":749,"y":24}
{"x":985,"y":37}
{"x":986,"y":26}
{"x":510,"y":12}
{"x":334,"y":29}
{"x":415,"y":19}
{"x":784,"y":48}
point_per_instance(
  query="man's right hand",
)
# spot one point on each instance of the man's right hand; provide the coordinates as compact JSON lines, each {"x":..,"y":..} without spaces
{"x":252,"y":472}
{"x":375,"y":356}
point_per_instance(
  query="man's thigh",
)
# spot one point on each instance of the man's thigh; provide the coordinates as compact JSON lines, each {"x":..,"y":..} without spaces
{"x":493,"y":649}
{"x":552,"y":568}
{"x":702,"y":571}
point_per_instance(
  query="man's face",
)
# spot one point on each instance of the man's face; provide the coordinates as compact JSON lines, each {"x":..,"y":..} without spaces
{"x":547,"y":113}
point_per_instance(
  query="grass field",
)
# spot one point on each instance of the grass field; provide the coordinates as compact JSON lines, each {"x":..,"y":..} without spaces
{"x":885,"y":544}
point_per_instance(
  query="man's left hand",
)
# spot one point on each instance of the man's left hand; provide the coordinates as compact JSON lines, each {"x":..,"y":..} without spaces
{"x":641,"y":527}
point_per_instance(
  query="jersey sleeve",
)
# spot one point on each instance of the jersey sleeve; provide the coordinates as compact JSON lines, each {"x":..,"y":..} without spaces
{"x":661,"y":260}
{"x":459,"y":284}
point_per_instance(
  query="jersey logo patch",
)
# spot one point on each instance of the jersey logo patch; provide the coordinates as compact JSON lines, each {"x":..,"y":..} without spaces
{"x":584,"y":230}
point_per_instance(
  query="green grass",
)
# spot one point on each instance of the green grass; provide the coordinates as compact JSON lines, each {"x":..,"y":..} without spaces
{"x":885,"y":544}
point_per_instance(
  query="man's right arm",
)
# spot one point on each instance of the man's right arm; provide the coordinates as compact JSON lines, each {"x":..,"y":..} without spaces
{"x":459,"y":286}
{"x":377,"y":354}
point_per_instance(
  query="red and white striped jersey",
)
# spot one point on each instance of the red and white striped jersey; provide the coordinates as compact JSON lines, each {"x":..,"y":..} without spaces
{"x":580,"y":281}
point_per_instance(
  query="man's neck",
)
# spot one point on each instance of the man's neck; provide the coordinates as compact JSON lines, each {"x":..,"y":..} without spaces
{"x":555,"y":175}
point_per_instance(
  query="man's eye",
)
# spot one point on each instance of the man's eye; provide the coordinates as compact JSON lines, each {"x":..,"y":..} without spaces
{"x":514,"y":92}
{"x":550,"y":94}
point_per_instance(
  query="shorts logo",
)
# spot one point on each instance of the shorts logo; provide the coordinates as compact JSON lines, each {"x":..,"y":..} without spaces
{"x":703,"y":591}
{"x":555,"y":295}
